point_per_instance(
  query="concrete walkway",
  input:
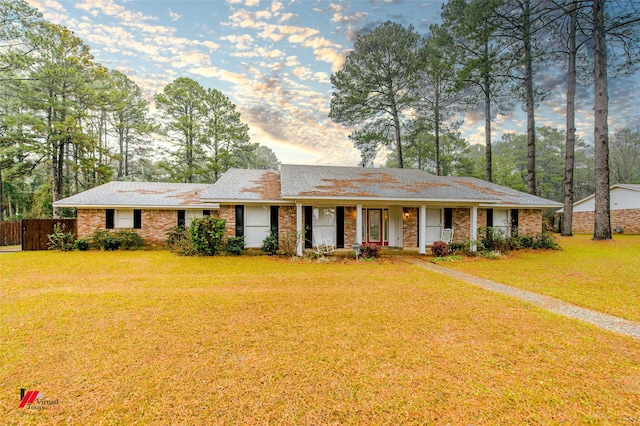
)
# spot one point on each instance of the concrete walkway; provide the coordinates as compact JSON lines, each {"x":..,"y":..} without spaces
{"x":603,"y":321}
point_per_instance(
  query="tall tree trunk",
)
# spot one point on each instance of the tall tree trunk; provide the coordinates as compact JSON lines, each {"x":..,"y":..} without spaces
{"x":602,"y":216}
{"x":488,"y":173}
{"x":396,"y":125}
{"x":569,"y":159}
{"x":437,"y":130}
{"x":530,"y":106}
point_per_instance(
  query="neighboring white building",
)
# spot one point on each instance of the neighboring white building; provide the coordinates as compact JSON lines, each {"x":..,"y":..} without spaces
{"x":625,"y":211}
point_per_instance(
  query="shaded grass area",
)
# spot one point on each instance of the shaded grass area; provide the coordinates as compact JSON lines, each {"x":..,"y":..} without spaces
{"x":150,"y":338}
{"x":601,"y":275}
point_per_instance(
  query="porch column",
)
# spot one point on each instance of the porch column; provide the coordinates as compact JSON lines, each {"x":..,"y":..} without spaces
{"x":299,"y":231}
{"x":359,"y":224}
{"x":422,"y":238}
{"x":474,"y":227}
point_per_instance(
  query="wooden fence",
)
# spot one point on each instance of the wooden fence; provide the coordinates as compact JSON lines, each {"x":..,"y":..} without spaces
{"x":35,"y":232}
{"x":10,"y":233}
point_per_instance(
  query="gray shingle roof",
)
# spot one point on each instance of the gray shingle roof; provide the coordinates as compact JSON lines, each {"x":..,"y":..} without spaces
{"x":140,"y":194}
{"x":246,"y":185}
{"x":399,"y":184}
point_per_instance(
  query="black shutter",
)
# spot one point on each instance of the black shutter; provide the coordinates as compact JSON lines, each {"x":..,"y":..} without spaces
{"x":340,"y":227}
{"x":206,"y":212}
{"x":110,"y":214}
{"x":137,"y":219}
{"x":448,"y":218}
{"x":514,"y":223}
{"x":308,"y":226}
{"x":274,"y":220}
{"x":489,"y":217}
{"x":239,"y":221}
{"x":418,"y":222}
{"x":181,"y":218}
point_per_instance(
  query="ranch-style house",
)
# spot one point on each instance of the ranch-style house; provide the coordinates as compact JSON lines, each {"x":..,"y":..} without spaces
{"x":402,"y":208}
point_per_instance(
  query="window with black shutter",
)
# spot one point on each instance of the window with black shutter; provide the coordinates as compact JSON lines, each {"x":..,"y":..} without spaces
{"x":340,"y":227}
{"x":448,"y":218}
{"x":514,"y":223}
{"x":109,"y":220}
{"x":274,"y":220}
{"x":137,"y":219}
{"x":182,"y":218}
{"x":239,"y":221}
{"x":308,"y":226}
{"x":489,"y":217}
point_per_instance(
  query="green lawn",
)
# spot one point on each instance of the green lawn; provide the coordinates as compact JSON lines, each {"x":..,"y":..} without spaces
{"x":150,"y":338}
{"x":601,"y":275}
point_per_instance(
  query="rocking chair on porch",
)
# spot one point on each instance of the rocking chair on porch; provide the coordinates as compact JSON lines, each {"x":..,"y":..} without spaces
{"x":323,"y":245}
{"x":447,"y":235}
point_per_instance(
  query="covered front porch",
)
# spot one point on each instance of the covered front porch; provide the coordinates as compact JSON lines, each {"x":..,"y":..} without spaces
{"x":394,"y":226}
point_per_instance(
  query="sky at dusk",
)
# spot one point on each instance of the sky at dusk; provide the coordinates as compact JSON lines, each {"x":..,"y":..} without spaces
{"x":274,"y":60}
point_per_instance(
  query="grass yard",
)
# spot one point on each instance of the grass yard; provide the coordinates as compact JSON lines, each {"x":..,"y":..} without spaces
{"x":601,"y":275}
{"x":125,"y":338}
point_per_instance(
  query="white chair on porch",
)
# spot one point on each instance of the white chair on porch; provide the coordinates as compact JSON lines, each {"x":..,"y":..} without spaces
{"x":447,"y":235}
{"x":323,"y":245}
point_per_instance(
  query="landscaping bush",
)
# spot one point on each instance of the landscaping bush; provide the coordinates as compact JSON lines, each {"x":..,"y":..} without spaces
{"x":179,"y":241}
{"x":493,"y":239}
{"x":545,"y":242}
{"x":234,"y":245}
{"x":369,"y":251}
{"x":82,"y":244}
{"x":105,"y":240}
{"x":129,"y":240}
{"x":207,"y":234}
{"x":440,"y":249}
{"x":270,"y":244}
{"x":60,"y":240}
{"x":289,"y":240}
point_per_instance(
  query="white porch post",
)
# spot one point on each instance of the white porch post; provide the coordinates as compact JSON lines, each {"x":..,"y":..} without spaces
{"x":359,"y":224}
{"x":474,"y":227}
{"x":299,"y":231}
{"x":422,"y":238}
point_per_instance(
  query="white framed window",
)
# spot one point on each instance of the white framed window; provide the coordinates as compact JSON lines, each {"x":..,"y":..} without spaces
{"x":124,"y":218}
{"x":324,"y":221}
{"x":190,"y":215}
{"x":257,"y":225}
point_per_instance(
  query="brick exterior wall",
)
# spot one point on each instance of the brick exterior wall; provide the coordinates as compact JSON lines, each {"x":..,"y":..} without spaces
{"x":482,"y":218}
{"x":286,"y":222}
{"x":155,"y":224}
{"x":628,"y":220}
{"x":410,"y":227}
{"x":529,"y":222}
{"x":228,"y":213}
{"x":350,"y":232}
{"x":462,"y":224}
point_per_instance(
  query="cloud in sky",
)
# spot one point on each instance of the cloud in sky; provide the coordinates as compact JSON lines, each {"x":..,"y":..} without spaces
{"x":274,"y":59}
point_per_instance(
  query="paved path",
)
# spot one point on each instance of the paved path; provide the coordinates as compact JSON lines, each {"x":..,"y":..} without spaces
{"x":604,"y":321}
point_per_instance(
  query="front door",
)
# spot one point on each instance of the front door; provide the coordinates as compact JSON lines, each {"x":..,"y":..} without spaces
{"x":374,"y":226}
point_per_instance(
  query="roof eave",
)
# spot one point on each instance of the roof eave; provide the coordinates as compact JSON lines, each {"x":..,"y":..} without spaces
{"x":388,"y":200}
{"x":213,"y":206}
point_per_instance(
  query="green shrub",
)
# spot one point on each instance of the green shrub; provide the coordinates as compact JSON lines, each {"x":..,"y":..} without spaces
{"x":493,"y":239}
{"x":440,"y":249}
{"x":104,"y":240}
{"x":82,"y":244}
{"x":545,"y":242}
{"x":129,"y":240}
{"x":179,"y":241}
{"x":207,"y":234}
{"x":60,"y":240}
{"x":369,"y":251}
{"x":234,"y":245}
{"x":270,"y":244}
